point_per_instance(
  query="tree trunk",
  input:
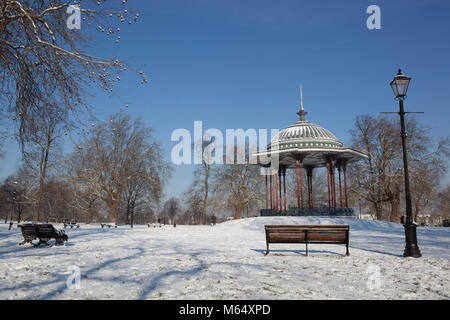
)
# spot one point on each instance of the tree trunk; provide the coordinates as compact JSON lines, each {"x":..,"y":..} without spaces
{"x":395,"y":208}
{"x":132,"y":214}
{"x":42,"y":171}
{"x":89,"y":216}
{"x":378,"y":213}
{"x":19,"y":215}
{"x":205,"y":199}
{"x":114,"y":209}
{"x":238,"y":211}
{"x":127,"y":217}
{"x":416,"y":211}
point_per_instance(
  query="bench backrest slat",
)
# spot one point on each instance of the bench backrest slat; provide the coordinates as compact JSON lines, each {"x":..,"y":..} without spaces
{"x":307,"y":233}
{"x":28,"y":230}
{"x":47,"y":230}
{"x":307,"y":226}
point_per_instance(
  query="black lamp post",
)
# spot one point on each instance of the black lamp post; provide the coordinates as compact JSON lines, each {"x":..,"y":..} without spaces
{"x":400,"y":87}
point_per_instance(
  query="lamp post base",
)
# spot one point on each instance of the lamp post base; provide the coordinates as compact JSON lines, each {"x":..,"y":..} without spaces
{"x":411,"y":249}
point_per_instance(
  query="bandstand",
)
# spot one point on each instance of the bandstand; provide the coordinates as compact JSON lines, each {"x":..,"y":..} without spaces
{"x":306,"y":146}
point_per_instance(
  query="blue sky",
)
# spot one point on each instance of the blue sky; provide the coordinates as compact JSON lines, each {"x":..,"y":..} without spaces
{"x":238,"y":64}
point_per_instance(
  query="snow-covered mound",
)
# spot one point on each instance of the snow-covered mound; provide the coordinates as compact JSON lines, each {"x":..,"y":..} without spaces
{"x":226,"y":261}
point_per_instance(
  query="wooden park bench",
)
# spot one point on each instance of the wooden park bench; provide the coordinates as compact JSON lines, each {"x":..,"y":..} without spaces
{"x":153,"y":224}
{"x":43,"y":231}
{"x":71,"y":225}
{"x":332,"y":234}
{"x":105,"y":225}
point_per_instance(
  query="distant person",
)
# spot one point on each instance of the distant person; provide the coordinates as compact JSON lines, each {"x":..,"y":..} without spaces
{"x":402,"y":220}
{"x":213,"y":220}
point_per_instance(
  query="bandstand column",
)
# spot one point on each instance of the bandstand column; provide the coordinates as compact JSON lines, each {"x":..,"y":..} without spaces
{"x":344,"y":168}
{"x":271,"y":192}
{"x":333,"y":185}
{"x":301,"y":186}
{"x":284,"y":189}
{"x":309,"y":172}
{"x":279,"y":183}
{"x":340,"y":185}
{"x":298,"y":188}
{"x":275,"y":194}
{"x":267,"y":194}
{"x":299,"y":165}
{"x":328,"y":181}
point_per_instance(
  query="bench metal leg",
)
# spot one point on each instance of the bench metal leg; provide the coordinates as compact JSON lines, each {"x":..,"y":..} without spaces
{"x":43,"y":241}
{"x":267,"y":250}
{"x":306,"y":241}
{"x":347,"y":242}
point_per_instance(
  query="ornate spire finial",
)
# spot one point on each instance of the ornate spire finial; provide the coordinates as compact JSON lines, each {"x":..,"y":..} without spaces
{"x":302,"y":112}
{"x":301,"y":98}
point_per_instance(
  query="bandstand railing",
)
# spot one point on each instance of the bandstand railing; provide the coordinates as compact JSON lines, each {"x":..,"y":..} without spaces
{"x":321,"y":211}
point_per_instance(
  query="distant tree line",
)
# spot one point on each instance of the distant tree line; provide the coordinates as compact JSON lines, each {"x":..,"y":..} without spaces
{"x":115,"y":174}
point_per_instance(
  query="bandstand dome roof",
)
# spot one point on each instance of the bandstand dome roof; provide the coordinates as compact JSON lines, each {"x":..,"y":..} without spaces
{"x":309,"y":143}
{"x":304,"y":134}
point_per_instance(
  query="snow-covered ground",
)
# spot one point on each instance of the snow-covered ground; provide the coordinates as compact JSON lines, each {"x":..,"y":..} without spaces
{"x":226,"y":262}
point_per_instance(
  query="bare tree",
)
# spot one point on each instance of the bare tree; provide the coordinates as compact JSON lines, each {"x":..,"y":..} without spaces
{"x":16,"y":194}
{"x":200,"y":186}
{"x":12,"y":199}
{"x":425,"y":173}
{"x":442,"y":205}
{"x":46,"y":66}
{"x":238,"y":185}
{"x":48,"y":127}
{"x":194,"y":204}
{"x":113,"y":155}
{"x":42,"y":58}
{"x":85,"y":200}
{"x":374,"y":137}
{"x":145,"y":177}
{"x":171,"y":208}
{"x":3,"y":131}
{"x":379,"y":178}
